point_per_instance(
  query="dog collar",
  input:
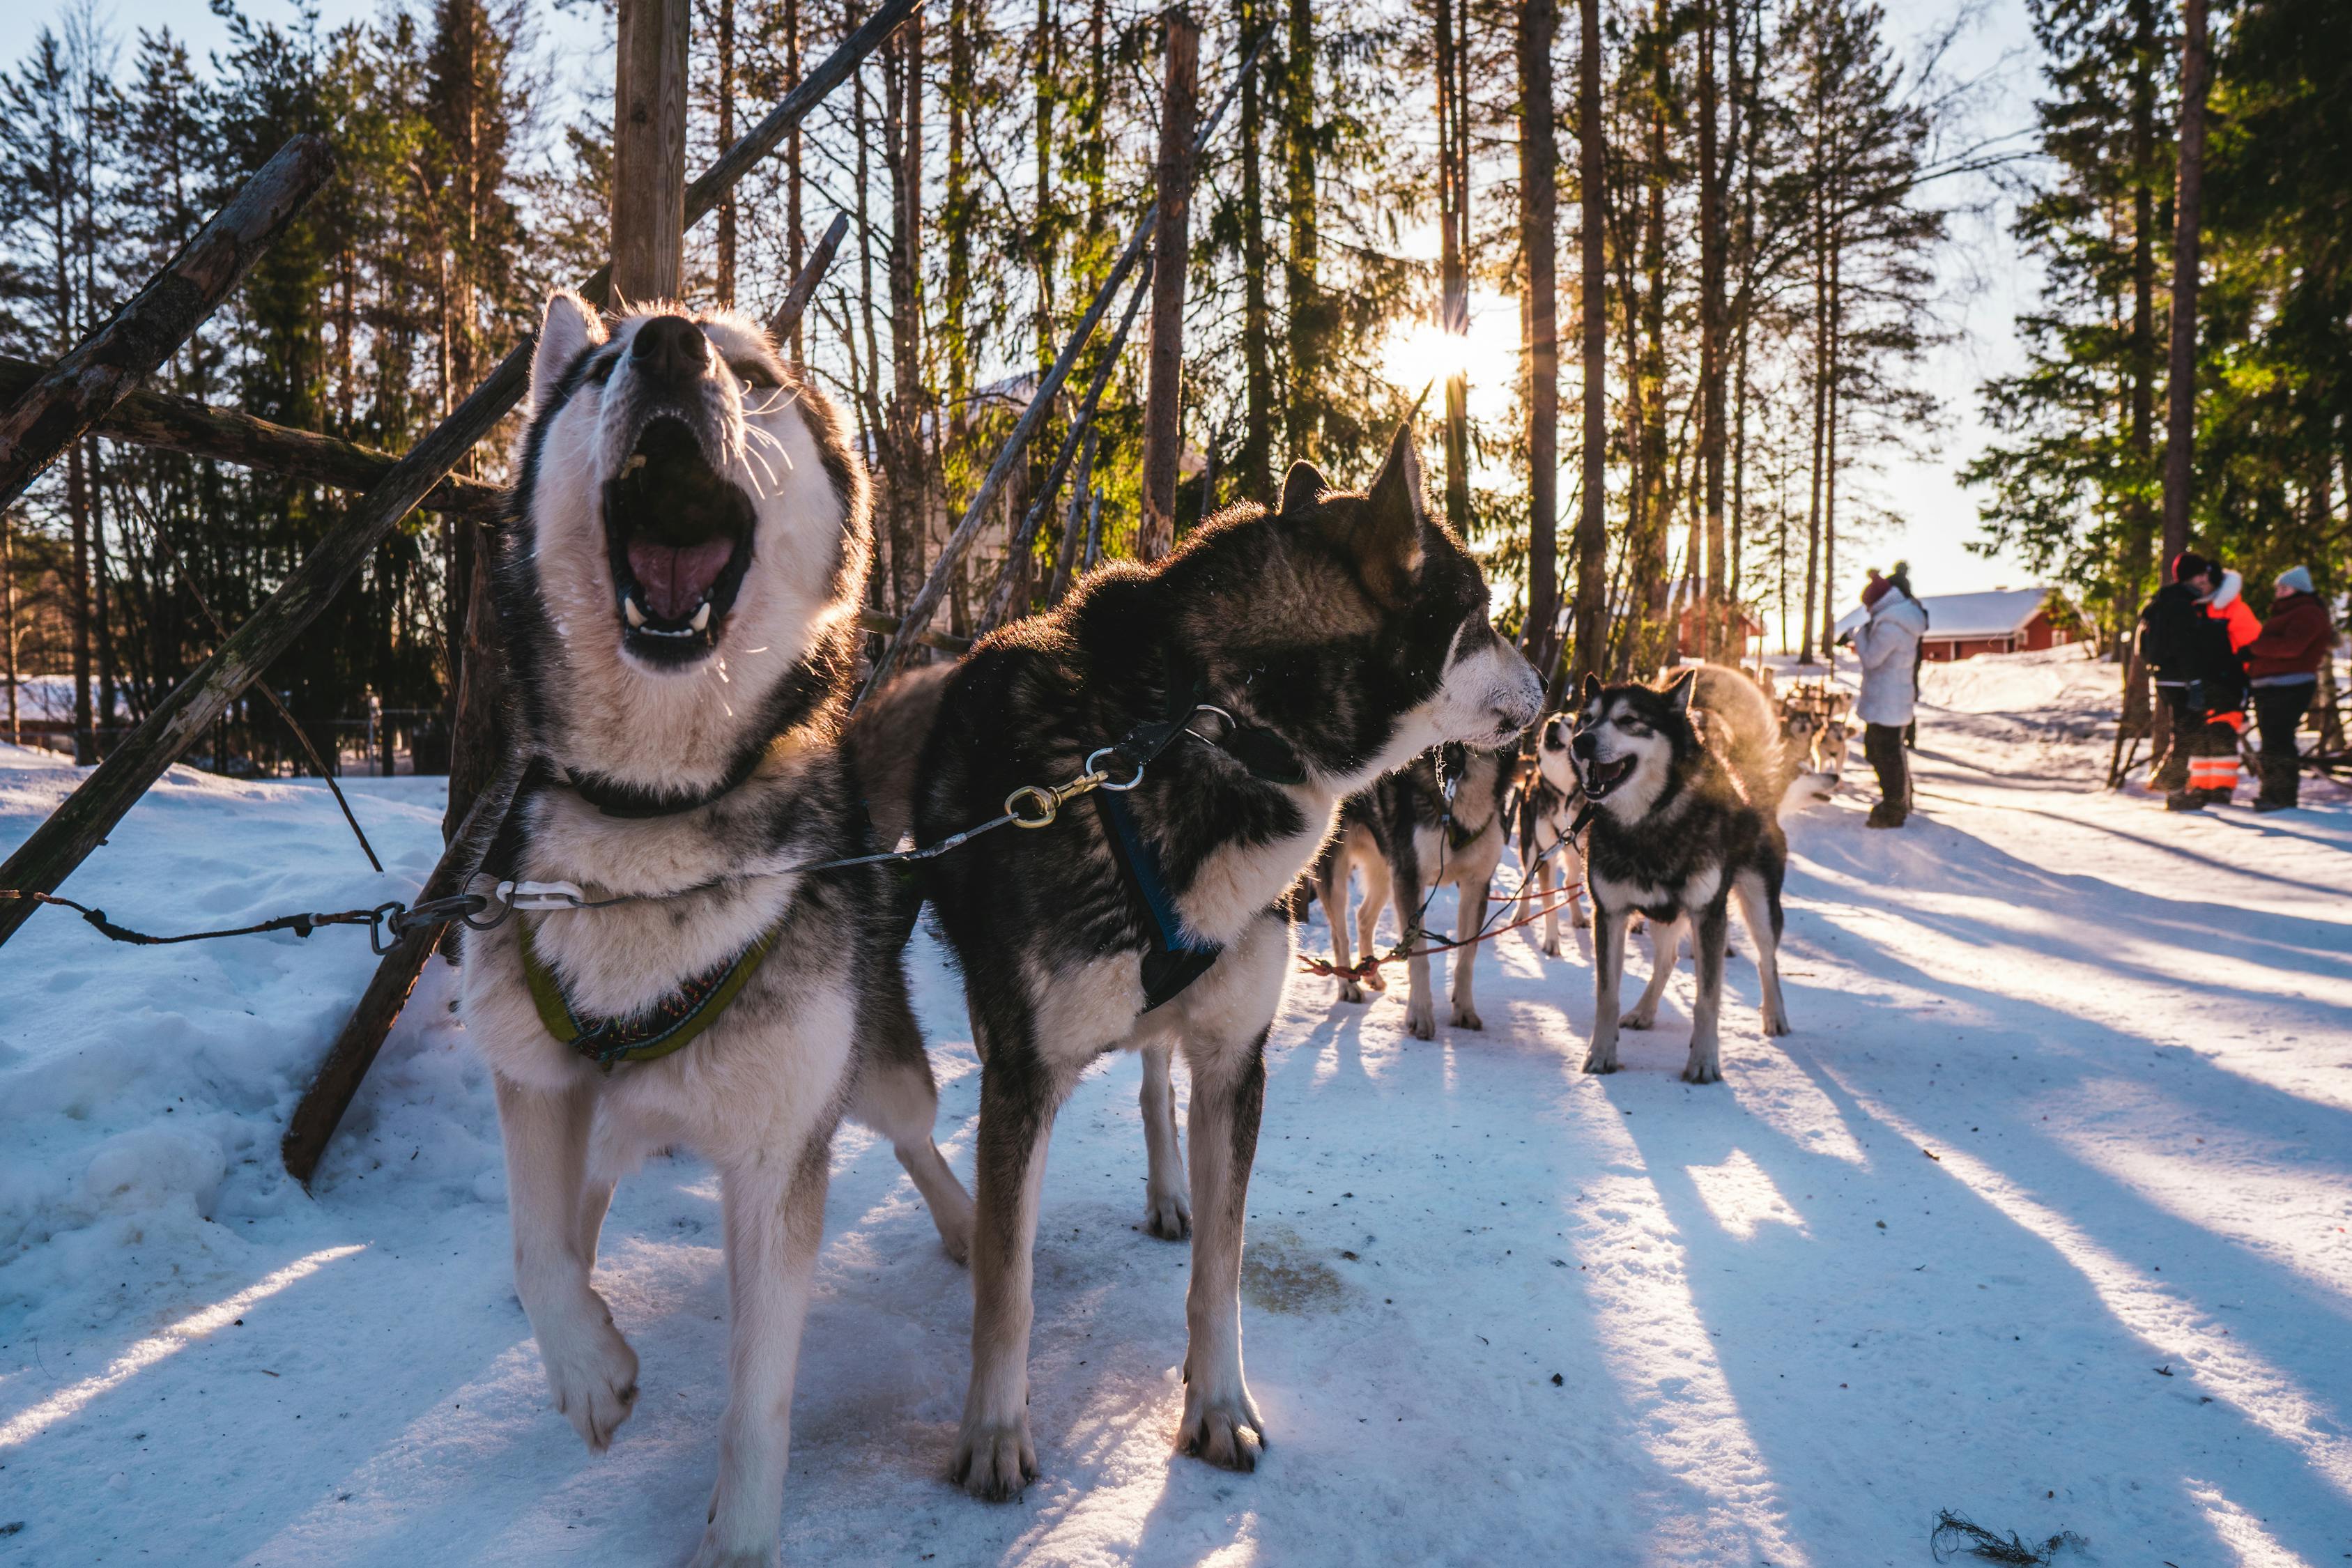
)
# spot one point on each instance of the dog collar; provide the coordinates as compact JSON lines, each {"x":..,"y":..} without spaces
{"x":665,"y":1026}
{"x":615,"y":798}
{"x":1267,"y":755}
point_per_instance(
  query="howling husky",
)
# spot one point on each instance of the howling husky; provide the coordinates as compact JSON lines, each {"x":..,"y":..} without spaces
{"x":1678,"y":827}
{"x":678,"y":588}
{"x":1305,"y":651}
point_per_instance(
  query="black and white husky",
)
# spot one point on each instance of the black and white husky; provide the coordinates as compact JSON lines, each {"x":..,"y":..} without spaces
{"x":1410,"y":835}
{"x":1675,"y":833}
{"x":1311,"y":649}
{"x":679,"y":587}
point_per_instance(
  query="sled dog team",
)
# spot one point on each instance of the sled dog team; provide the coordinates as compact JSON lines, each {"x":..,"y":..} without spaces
{"x":679,"y":590}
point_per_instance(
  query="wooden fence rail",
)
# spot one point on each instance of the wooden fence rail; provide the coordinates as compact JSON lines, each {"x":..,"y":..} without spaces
{"x":103,"y":368}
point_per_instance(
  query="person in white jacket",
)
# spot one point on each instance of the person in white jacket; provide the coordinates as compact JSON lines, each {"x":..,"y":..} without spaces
{"x":1888,"y":646}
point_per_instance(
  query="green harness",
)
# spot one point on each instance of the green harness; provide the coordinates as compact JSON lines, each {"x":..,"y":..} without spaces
{"x":665,"y":1026}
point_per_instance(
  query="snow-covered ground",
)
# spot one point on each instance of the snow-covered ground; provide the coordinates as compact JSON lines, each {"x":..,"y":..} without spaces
{"x":2040,"y":1214}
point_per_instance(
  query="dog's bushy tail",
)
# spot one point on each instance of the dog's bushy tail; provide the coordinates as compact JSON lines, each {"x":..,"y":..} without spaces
{"x":1748,"y":732}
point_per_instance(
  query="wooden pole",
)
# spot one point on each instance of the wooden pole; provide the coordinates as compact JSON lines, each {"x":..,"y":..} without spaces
{"x":787,"y":318}
{"x":49,"y":855}
{"x":1025,"y":537}
{"x":918,"y":614}
{"x":98,"y":373}
{"x":1539,"y":236}
{"x":182,"y":425}
{"x":1163,"y":391}
{"x":1590,"y":630}
{"x":649,"y":151}
{"x":330,"y":1092}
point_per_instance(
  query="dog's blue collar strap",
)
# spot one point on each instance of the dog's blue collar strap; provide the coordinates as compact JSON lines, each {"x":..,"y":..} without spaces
{"x":1176,"y":958}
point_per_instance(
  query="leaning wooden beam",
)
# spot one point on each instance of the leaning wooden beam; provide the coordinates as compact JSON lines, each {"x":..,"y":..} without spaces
{"x":59,"y":845}
{"x":888,"y":624}
{"x":104,"y":367}
{"x":348,"y":1059}
{"x":925,"y":604}
{"x":1024,"y":538}
{"x":804,"y":288}
{"x":200,"y":430}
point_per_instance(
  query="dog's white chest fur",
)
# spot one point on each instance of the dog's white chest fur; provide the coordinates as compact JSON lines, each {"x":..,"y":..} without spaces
{"x":1696,"y":891}
{"x":1237,"y":882}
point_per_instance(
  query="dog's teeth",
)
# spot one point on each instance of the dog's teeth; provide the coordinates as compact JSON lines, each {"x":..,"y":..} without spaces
{"x":629,"y":608}
{"x":702,"y":617}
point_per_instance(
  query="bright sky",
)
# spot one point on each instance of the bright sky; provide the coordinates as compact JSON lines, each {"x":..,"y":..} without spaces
{"x":1984,"y":280}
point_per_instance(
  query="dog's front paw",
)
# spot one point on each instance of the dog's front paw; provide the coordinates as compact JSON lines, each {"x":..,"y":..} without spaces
{"x":1420,"y":1020}
{"x":1704,"y":1067}
{"x":1551,"y":947}
{"x":1466,"y":1017}
{"x":1168,"y":1215}
{"x":1601,"y":1059}
{"x":1583,"y":920}
{"x":994,"y":1461}
{"x":1777,"y":1023}
{"x":1373,"y":982}
{"x":1639,"y":1019}
{"x":1350,"y":991}
{"x":591,"y":1372}
{"x":1227,"y":1433}
{"x":716,"y":1554}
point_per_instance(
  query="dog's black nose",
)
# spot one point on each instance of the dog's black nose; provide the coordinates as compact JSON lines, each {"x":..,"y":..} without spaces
{"x":1585,"y":746}
{"x":669,"y":349}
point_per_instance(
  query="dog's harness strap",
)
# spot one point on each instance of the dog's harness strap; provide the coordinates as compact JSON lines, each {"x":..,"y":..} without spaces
{"x":1177,"y":958}
{"x":667,"y":1026}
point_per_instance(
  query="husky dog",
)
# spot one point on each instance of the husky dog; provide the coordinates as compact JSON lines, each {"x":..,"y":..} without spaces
{"x":678,"y":588}
{"x":1307,"y":650}
{"x":1675,"y":831}
{"x":1814,"y":726}
{"x":1410,"y":834}
{"x":1548,"y":809}
{"x":885,"y":744}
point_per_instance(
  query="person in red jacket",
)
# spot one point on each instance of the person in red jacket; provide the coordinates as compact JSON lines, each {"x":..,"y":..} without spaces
{"x":2283,"y":668}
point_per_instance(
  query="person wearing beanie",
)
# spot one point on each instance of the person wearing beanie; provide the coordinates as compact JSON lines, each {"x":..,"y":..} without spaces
{"x":2189,"y":635}
{"x":1888,"y":644}
{"x":2283,"y":668}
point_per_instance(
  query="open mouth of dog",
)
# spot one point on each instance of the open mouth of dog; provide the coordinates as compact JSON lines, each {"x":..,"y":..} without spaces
{"x":1600,"y":777}
{"x":679,"y":537}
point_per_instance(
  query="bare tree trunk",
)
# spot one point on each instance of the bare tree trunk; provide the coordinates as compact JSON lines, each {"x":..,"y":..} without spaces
{"x":902,"y":139}
{"x":2180,"y":424}
{"x":1454,"y":273}
{"x":795,"y":234}
{"x":726,"y":280}
{"x":1591,"y":631}
{"x":1539,"y":239}
{"x":649,"y":150}
{"x":1304,"y":332}
{"x":1162,"y":427}
{"x":1254,"y":464}
{"x":8,"y":609}
{"x":1708,"y":601}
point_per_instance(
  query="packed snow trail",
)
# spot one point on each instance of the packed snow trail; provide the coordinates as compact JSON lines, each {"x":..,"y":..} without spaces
{"x":2040,"y":1215}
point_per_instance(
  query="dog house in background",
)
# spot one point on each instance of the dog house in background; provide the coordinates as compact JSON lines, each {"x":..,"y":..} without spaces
{"x":2005,"y":620}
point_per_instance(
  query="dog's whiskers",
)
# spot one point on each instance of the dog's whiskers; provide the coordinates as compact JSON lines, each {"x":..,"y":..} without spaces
{"x":769,"y":437}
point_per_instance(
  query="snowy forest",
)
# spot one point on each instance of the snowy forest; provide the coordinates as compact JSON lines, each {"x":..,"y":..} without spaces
{"x":1720,"y":222}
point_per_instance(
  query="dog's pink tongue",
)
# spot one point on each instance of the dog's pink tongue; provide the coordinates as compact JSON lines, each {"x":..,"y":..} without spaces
{"x":675,"y":577}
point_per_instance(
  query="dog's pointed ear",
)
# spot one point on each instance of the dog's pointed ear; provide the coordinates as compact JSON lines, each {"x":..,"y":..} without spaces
{"x":1302,"y":488}
{"x":570,"y":326}
{"x":1388,"y":538}
{"x":1590,"y":690}
{"x":1679,"y":689}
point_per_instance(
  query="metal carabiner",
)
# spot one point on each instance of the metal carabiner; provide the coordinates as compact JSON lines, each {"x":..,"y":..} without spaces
{"x":1049,"y":803}
{"x":1103,"y":780}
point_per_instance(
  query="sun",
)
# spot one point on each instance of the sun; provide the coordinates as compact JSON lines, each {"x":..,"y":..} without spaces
{"x":1416,"y":354}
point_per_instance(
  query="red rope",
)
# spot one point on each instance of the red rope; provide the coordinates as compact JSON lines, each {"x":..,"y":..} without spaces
{"x":1369,"y":967}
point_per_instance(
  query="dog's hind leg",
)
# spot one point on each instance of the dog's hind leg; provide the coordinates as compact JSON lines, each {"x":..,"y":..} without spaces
{"x":1708,"y":930}
{"x":1375,"y":868}
{"x":1331,"y":891}
{"x":1757,"y":908}
{"x":591,"y":1370}
{"x":596,"y":1200}
{"x":1665,"y":951}
{"x":1544,"y":881}
{"x":1420,"y":999}
{"x":1571,"y":872}
{"x":774,"y":1210}
{"x":897,"y":1098}
{"x":994,"y":1459}
{"x":1469,"y":919}
{"x":1608,"y":971}
{"x":1168,"y":1212}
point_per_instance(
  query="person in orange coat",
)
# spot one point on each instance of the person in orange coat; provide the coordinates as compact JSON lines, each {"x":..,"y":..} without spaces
{"x":2189,"y":635}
